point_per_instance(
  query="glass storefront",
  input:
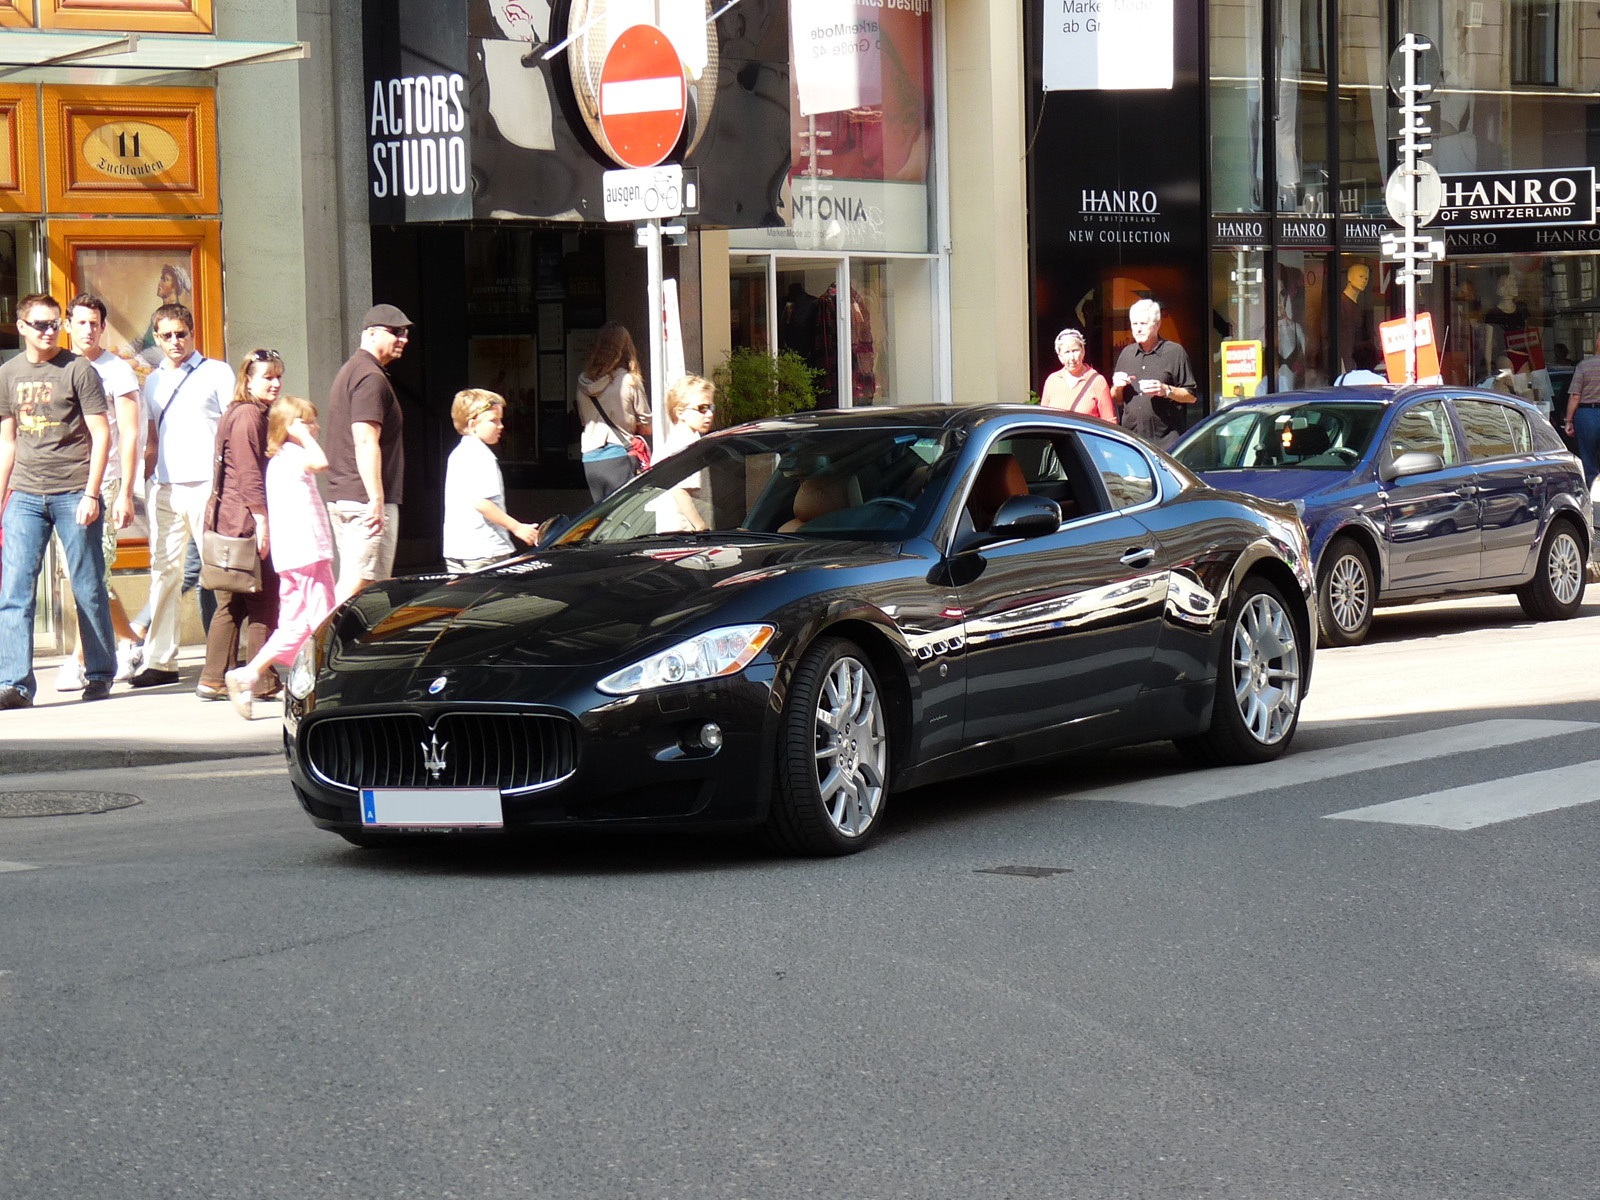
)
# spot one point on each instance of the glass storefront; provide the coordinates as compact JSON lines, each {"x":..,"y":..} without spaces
{"x":1513,"y":307}
{"x":847,"y":281}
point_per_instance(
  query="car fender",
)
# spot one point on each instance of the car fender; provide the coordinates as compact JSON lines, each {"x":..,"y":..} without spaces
{"x":1356,"y":522}
{"x":1266,"y":557}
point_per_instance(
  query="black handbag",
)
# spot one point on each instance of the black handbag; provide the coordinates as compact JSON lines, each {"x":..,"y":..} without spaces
{"x":227,"y":564}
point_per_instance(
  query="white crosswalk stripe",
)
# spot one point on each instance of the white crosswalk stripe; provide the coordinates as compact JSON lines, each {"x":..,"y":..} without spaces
{"x":1224,"y":783}
{"x":16,"y":866}
{"x":1490,"y":802}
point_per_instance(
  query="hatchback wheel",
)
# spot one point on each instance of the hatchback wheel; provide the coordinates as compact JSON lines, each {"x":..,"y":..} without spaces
{"x":833,"y":754}
{"x":1556,"y":590}
{"x":1346,"y":593}
{"x":1257,"y":704}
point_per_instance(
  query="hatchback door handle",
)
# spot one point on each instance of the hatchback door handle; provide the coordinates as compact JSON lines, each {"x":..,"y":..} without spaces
{"x":1138,"y":556}
{"x":1466,"y":489}
{"x":1531,"y":480}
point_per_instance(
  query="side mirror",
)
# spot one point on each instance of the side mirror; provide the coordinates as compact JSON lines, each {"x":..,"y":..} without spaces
{"x":1414,"y":462}
{"x":1025,"y":517}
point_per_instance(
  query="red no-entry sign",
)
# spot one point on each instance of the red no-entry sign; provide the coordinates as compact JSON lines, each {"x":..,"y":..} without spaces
{"x":641,"y":97}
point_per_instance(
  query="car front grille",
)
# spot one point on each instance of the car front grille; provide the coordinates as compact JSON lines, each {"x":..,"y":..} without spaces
{"x":510,"y":751}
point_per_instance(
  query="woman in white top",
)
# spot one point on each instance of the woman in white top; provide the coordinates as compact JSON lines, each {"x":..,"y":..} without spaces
{"x":477,"y":529}
{"x":691,"y":409}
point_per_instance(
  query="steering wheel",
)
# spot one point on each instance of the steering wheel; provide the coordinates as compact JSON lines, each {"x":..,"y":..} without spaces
{"x":1346,"y":455}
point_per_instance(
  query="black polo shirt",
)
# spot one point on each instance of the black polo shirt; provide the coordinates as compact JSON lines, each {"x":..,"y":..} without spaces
{"x":1157,"y":419}
{"x":362,"y":392}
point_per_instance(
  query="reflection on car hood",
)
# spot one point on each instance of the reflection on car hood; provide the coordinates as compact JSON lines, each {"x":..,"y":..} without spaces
{"x":571,"y":606}
{"x":1283,"y":484}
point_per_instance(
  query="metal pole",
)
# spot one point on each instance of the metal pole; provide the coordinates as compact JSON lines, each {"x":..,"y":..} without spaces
{"x":1410,"y":267}
{"x":658,"y":358}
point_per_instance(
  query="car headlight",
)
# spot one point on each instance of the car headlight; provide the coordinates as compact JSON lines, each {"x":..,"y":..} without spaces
{"x":705,"y":656}
{"x":303,"y":675}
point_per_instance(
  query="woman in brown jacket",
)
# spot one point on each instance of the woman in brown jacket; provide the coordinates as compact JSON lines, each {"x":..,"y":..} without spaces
{"x":240,"y":510}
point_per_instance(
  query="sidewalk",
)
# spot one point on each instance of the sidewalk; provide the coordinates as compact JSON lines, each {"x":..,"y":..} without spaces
{"x":132,"y":728}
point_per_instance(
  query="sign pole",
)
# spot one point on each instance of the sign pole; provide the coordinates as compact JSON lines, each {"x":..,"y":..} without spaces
{"x":651,"y":231}
{"x":1410,"y":269}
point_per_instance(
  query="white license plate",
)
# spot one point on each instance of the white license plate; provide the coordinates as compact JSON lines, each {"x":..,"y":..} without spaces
{"x":450,"y":808}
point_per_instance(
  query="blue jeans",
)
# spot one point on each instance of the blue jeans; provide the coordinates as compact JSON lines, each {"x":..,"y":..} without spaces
{"x":1586,"y":432}
{"x":28,"y":521}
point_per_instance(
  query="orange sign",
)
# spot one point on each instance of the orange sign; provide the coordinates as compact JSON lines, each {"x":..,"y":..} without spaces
{"x":1241,"y":370}
{"x":1395,"y":339}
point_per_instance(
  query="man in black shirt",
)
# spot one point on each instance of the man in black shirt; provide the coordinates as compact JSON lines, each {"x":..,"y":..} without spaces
{"x":1152,"y":379}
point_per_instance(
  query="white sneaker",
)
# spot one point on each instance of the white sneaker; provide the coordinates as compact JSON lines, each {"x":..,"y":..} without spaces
{"x":70,"y":677}
{"x":239,"y":684}
{"x":130,"y":657}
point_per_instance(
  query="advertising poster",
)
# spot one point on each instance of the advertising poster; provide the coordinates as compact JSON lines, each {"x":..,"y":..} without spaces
{"x":1107,"y":45}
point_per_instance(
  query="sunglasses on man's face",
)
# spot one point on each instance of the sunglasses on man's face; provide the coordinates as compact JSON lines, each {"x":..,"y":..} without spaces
{"x":172,"y":335}
{"x":400,"y":331}
{"x":44,"y":326}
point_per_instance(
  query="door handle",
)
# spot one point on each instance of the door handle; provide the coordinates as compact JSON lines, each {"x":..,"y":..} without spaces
{"x":1138,"y":556}
{"x":1466,"y":489}
{"x":1531,"y":480}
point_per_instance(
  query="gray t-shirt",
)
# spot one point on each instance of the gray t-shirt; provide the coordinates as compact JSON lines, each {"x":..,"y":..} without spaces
{"x":49,"y":400}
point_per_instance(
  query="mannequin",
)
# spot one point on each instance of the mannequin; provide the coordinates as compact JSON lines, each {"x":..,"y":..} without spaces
{"x":1355,"y":319}
{"x":1508,"y":313}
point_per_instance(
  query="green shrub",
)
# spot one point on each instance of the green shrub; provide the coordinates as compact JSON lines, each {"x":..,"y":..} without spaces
{"x":752,"y":386}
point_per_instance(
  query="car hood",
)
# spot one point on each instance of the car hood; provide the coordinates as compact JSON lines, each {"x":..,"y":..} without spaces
{"x":579,"y":605}
{"x":1277,"y":484}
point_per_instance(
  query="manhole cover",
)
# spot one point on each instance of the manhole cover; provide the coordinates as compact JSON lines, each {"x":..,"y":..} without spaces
{"x":62,"y":804}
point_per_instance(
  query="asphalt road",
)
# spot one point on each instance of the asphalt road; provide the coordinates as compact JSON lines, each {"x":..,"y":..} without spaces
{"x":1107,"y":978}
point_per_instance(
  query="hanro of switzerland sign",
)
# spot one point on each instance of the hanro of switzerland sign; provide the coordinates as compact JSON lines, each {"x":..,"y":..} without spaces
{"x":1500,"y":198}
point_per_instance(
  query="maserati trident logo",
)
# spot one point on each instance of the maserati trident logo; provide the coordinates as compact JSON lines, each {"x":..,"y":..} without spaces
{"x":433,"y":757}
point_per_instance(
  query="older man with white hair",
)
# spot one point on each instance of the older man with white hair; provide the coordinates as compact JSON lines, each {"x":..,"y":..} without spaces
{"x":1152,"y":379}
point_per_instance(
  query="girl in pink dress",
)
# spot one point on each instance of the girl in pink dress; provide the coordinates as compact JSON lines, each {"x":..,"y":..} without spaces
{"x":302,"y":543}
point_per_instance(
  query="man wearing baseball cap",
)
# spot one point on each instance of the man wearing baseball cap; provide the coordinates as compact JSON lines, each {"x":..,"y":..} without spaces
{"x":366,"y":455}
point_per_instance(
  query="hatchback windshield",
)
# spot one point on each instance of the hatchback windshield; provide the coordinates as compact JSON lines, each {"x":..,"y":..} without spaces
{"x":1327,"y":436}
{"x":877,"y":484}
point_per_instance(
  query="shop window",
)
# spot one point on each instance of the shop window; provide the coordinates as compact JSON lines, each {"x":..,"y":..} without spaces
{"x":1535,"y":42}
{"x":1303,"y":322}
{"x":1236,"y":91}
{"x":1238,"y":302}
{"x":1301,"y":142}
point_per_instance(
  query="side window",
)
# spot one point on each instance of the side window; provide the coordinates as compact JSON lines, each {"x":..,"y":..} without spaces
{"x":1124,"y":471}
{"x":1029,"y":464}
{"x":1493,"y":430}
{"x":1426,"y":427}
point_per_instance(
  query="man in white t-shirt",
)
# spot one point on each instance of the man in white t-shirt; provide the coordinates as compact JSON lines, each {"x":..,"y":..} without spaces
{"x":86,"y":322}
{"x":183,"y":399}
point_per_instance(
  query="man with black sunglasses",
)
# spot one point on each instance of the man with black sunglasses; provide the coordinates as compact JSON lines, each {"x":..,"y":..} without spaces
{"x":54,"y":440}
{"x":183,"y":398}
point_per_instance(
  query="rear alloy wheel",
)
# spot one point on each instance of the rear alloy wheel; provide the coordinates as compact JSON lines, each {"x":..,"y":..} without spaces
{"x":1257,"y":704}
{"x":1556,"y":590}
{"x":1346,"y":593}
{"x":833,"y":754}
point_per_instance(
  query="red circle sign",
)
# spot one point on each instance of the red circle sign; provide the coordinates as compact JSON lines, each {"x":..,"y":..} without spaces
{"x":642,"y":97}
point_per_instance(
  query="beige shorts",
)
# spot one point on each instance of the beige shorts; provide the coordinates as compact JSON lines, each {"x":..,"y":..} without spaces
{"x":109,"y":490}
{"x":363,"y":558}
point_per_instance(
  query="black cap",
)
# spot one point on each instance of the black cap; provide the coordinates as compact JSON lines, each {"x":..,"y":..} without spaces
{"x":384,"y":314}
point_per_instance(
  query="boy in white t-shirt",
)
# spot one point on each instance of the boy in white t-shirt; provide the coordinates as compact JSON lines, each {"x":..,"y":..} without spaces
{"x":477,"y":530}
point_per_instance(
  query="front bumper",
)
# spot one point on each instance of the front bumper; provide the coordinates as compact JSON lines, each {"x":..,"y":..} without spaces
{"x":635,"y":760}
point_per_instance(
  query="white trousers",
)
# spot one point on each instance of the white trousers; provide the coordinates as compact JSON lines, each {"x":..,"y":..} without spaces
{"x":177,"y":513}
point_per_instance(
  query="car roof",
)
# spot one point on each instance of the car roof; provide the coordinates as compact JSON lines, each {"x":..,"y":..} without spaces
{"x":939,"y":416}
{"x":1381,"y":394}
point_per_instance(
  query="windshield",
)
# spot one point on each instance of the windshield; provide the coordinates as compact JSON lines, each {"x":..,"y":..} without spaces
{"x":875,"y":484}
{"x":1327,"y":436}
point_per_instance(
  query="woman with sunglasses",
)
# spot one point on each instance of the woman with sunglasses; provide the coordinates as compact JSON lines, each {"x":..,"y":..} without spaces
{"x":239,"y":509}
{"x":691,"y":409}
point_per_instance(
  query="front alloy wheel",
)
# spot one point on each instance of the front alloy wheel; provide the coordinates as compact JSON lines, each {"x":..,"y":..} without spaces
{"x":833,"y":766}
{"x":1347,"y":593}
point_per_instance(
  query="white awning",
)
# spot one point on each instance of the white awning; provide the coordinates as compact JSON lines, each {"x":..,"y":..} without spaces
{"x":32,"y":48}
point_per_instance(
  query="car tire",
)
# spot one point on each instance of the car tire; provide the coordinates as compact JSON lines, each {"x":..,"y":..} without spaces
{"x":1556,"y":590}
{"x":1347,"y":592}
{"x":1256,"y":708}
{"x":833,"y":754}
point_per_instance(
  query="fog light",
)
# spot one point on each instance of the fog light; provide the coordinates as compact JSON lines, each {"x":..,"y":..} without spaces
{"x":711,"y":735}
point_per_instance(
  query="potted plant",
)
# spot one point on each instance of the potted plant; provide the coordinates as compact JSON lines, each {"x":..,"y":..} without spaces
{"x":752,"y":385}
